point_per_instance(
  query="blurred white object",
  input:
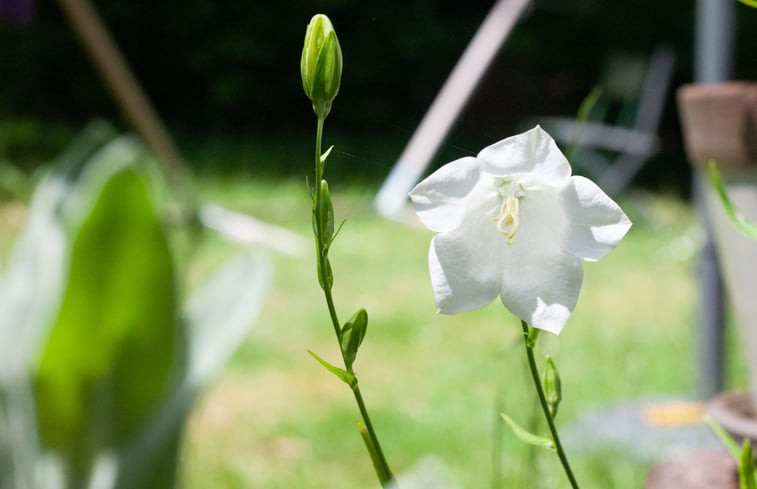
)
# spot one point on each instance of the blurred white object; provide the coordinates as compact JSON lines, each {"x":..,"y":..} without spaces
{"x":244,"y":229}
{"x":427,"y":473}
{"x":455,"y":92}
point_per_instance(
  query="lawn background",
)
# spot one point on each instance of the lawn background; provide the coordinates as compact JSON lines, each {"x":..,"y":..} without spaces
{"x":434,"y":383}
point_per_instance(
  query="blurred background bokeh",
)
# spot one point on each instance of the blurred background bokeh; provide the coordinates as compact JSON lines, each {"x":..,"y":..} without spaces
{"x":224,"y":75}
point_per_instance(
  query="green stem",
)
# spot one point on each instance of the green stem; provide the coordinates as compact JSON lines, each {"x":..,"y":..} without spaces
{"x":380,"y":464}
{"x":377,"y":454}
{"x":545,"y":407}
{"x":385,"y":475}
{"x":318,"y":165}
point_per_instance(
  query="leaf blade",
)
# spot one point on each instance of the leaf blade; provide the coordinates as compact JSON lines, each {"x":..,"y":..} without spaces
{"x":741,"y":223}
{"x":344,"y":375}
{"x":528,"y":437}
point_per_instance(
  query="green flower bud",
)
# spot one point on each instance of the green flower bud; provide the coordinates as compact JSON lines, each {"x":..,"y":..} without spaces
{"x":552,"y":386}
{"x":321,"y":64}
{"x":352,"y":335}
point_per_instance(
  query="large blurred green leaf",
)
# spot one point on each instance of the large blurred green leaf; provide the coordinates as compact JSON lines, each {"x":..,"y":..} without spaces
{"x":217,"y":318}
{"x":92,"y":341}
{"x":115,"y":341}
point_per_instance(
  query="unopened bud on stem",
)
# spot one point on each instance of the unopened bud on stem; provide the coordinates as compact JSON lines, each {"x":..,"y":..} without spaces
{"x":321,"y":64}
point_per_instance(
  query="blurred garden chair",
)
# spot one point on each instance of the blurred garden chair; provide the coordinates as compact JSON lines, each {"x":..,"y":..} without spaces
{"x":611,"y":150}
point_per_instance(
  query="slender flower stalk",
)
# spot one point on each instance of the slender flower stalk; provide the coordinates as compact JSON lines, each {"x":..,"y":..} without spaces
{"x":325,"y":278}
{"x":545,"y":405}
{"x":321,"y":68}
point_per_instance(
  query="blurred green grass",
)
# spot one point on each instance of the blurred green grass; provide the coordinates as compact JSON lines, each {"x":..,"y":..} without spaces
{"x":434,"y":384}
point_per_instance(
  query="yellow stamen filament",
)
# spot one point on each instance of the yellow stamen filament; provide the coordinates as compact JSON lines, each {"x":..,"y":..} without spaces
{"x":508,"y":217}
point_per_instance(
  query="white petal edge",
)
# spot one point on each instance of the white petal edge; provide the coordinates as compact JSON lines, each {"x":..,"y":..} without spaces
{"x":439,"y":199}
{"x":532,"y":151}
{"x":597,"y":223}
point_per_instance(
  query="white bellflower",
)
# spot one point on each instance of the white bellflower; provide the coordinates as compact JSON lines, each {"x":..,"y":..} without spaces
{"x":513,"y":222}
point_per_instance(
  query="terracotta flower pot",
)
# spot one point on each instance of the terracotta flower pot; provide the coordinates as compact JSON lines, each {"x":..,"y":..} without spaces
{"x":719,"y":122}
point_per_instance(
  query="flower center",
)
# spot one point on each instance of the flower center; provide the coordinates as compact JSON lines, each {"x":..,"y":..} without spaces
{"x":510,"y":193}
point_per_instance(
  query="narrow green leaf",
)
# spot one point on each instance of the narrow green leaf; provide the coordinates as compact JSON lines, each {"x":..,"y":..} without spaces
{"x":384,"y":478}
{"x":338,"y":230}
{"x":527,"y":437}
{"x":346,"y":377}
{"x":352,"y":336}
{"x":584,"y":110}
{"x":746,"y":467}
{"x":741,"y":223}
{"x":326,"y":154}
{"x":749,"y":3}
{"x":728,"y":441}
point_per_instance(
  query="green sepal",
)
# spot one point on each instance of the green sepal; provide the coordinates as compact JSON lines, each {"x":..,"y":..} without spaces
{"x":741,"y":223}
{"x":352,"y":336}
{"x":746,"y":466}
{"x":552,"y":386}
{"x":533,"y":336}
{"x":528,"y":437}
{"x":346,"y":376}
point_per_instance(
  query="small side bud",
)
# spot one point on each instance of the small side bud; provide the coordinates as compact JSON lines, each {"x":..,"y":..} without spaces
{"x":352,"y":335}
{"x":552,"y":387}
{"x":326,"y":213}
{"x":321,"y":64}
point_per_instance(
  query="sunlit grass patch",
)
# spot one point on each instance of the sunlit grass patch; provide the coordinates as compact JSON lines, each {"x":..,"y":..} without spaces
{"x":432,"y":381}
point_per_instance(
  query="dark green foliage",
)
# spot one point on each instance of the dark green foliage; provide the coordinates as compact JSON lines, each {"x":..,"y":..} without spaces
{"x":231,"y":68}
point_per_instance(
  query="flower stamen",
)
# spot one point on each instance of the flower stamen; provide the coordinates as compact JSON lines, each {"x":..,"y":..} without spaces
{"x":508,"y":218}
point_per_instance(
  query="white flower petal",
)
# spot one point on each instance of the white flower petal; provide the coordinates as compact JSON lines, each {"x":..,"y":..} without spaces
{"x":462,"y":276}
{"x":533,"y":151}
{"x":543,"y":293}
{"x":596,"y":222}
{"x":540,"y":281}
{"x":439,"y":200}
